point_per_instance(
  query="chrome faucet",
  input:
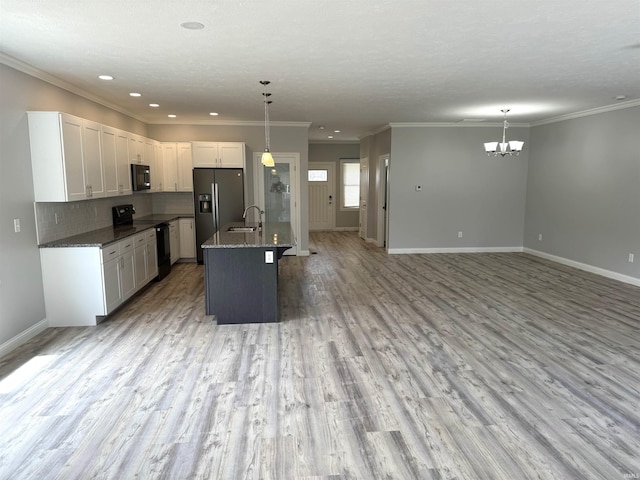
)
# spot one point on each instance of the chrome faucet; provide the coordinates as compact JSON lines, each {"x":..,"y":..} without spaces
{"x":260,"y":212}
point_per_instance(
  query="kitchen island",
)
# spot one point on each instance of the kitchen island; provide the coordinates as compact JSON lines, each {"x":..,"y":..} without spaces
{"x":241,"y":271}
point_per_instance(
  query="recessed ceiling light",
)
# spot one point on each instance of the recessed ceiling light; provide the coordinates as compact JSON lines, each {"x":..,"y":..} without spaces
{"x":321,"y":127}
{"x":336,"y":131}
{"x":105,"y":77}
{"x":330,"y":136}
{"x":214,"y":114}
{"x":620,"y":97}
{"x":171,"y":115}
{"x":192,"y":25}
{"x":135,"y":94}
{"x":154,"y":105}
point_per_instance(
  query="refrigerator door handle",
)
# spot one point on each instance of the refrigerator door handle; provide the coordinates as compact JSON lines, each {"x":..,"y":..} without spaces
{"x":216,"y":206}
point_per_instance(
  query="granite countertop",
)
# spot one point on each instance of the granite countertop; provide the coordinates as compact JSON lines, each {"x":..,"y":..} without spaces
{"x":108,"y":235}
{"x":162,"y":217}
{"x":98,"y":238}
{"x":271,"y":235}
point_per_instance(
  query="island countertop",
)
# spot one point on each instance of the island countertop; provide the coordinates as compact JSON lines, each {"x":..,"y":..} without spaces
{"x":276,"y":234}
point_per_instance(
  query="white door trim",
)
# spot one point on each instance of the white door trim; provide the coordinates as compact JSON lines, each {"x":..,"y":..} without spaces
{"x":293,"y":158}
{"x":381,"y":181}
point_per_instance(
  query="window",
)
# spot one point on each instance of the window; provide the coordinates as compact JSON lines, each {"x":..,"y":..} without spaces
{"x":350,"y":176}
{"x":318,"y":175}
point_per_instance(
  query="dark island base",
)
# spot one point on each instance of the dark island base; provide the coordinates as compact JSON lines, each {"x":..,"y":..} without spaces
{"x":240,"y":287}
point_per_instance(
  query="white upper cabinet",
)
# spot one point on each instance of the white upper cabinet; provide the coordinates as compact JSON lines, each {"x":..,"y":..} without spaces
{"x":157,"y":172}
{"x":170,"y":164}
{"x":178,"y":175}
{"x":92,"y":159}
{"x":66,"y":157}
{"x":218,"y":154}
{"x":122,"y":161}
{"x":185,"y":169}
{"x":108,"y":137}
{"x":136,"y":149}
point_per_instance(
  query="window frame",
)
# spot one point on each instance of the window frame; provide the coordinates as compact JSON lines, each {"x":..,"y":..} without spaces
{"x":344,"y":161}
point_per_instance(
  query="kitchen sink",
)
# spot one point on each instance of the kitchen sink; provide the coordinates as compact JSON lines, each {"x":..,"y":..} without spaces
{"x":242,"y":229}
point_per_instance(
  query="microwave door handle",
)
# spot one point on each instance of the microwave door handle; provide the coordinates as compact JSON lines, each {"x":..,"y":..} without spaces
{"x":216,"y":205}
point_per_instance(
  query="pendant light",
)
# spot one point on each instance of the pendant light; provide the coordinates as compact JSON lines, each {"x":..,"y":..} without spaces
{"x":267,"y":159}
{"x":513,"y":147}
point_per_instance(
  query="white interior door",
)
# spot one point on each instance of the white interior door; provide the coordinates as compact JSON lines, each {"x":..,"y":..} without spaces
{"x":322,"y":210}
{"x":278,"y":191}
{"x":364,"y":195}
{"x":382,"y":177}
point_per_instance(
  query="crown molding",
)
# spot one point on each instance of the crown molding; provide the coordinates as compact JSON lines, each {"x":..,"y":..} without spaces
{"x":454,"y":124}
{"x":587,"y":113}
{"x":58,"y":82}
{"x":334,"y":142}
{"x":231,"y":123}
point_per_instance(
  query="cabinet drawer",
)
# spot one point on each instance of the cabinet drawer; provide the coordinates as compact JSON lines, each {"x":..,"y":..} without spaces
{"x":139,"y":239}
{"x":110,"y":252}
{"x":151,"y":235}
{"x":126,"y":245}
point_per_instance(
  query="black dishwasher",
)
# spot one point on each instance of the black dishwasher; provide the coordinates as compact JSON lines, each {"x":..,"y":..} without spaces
{"x":164,"y":253}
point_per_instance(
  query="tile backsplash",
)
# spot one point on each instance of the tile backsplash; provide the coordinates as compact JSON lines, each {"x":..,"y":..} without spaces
{"x":56,"y":220}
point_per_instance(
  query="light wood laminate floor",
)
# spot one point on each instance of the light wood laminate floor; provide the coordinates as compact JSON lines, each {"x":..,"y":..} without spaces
{"x":445,"y":366}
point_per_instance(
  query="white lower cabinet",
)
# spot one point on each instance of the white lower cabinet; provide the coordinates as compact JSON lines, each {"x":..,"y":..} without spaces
{"x":83,"y":284}
{"x":187,"y":238}
{"x":174,"y":241}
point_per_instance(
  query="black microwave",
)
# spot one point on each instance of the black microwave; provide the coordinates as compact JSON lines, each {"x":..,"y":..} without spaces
{"x":140,"y":177}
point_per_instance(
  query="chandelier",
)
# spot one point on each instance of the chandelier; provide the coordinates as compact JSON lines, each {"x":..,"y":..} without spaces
{"x":267,"y":159}
{"x":513,"y":147}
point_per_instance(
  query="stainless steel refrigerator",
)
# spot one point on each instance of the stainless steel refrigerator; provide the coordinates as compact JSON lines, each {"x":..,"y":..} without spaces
{"x":218,"y":194}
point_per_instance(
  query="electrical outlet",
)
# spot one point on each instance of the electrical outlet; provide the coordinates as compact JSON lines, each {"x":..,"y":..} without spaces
{"x":56,"y":217}
{"x":16,"y":225}
{"x":268,"y":256}
{"x":459,"y":234}
{"x":539,"y":237}
{"x":631,"y":256}
{"x":95,"y":211}
{"x":418,"y":188}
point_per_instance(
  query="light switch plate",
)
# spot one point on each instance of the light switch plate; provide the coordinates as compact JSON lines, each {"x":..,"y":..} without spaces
{"x":268,"y":257}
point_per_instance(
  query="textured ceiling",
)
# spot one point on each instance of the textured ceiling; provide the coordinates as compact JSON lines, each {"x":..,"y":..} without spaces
{"x":352,"y":65}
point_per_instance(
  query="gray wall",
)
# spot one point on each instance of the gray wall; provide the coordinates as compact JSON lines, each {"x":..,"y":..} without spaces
{"x":462,"y":189}
{"x":21,"y":295}
{"x":583,"y":191}
{"x":283,"y":139}
{"x":332,"y":153}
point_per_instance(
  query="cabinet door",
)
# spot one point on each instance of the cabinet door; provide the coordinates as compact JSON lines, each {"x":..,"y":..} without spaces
{"x":71,"y":129}
{"x":170,"y":166}
{"x":231,"y":155}
{"x":187,"y":238}
{"x":158,"y":170}
{"x":123,"y":165}
{"x":185,"y":167}
{"x":205,"y":154}
{"x":136,"y":148}
{"x":109,"y":161}
{"x":174,"y":241}
{"x":111,"y":284}
{"x":92,"y":159}
{"x":127,"y":274}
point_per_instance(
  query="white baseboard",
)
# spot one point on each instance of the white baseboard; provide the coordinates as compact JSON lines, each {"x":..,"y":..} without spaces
{"x":23,"y":337}
{"x":587,"y":268}
{"x":372,"y":240}
{"x":346,"y":229}
{"x":394,"y":251}
{"x":304,"y":253}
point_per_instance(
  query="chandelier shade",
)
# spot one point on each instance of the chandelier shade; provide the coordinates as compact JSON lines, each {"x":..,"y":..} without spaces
{"x":512,"y":147}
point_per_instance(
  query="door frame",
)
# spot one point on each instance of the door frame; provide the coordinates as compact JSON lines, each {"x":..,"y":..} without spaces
{"x":382,"y":190}
{"x":292,"y":158}
{"x":329,"y":166}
